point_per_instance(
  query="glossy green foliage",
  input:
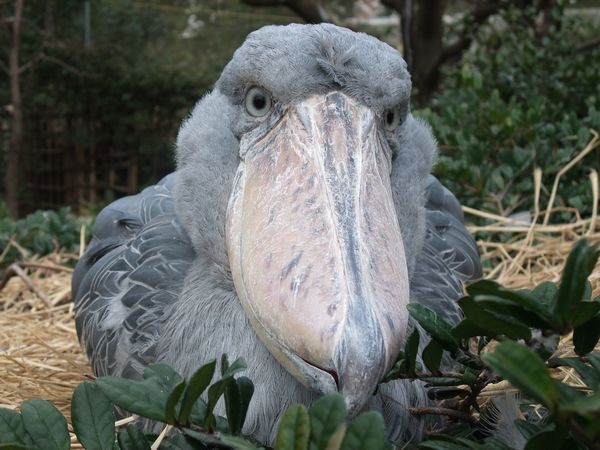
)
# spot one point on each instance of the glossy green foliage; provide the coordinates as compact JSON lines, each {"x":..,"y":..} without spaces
{"x":519,"y":99}
{"x":527,"y":325}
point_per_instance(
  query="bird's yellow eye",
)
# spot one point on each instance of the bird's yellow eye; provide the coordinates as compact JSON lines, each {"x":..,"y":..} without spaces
{"x":391,"y":118}
{"x":258,"y":102}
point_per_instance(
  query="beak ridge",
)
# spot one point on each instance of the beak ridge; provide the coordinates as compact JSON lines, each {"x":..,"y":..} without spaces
{"x":315,"y":247}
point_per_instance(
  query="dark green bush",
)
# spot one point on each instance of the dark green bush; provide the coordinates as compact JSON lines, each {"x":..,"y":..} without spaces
{"x":39,"y":233}
{"x":526,"y":325}
{"x":519,"y":100}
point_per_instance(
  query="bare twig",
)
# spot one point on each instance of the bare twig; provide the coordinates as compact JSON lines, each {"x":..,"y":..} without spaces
{"x":160,"y":437}
{"x":15,"y":269}
{"x":65,"y":65}
{"x":588,"y":45}
{"x":595,"y":200}
{"x":22,"y":250}
{"x":443,"y":412}
{"x":421,"y":375}
{"x":32,"y":62}
{"x":82,"y":240}
{"x":35,"y":265}
{"x":477,"y":16}
{"x":593,"y":144}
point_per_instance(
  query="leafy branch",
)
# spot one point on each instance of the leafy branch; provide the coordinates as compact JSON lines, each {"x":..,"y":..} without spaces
{"x":513,"y":335}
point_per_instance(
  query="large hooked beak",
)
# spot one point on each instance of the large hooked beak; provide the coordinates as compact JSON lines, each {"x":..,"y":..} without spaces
{"x":315,"y":247}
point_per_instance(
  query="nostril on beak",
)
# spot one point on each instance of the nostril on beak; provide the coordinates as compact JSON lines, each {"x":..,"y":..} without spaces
{"x":331,"y":372}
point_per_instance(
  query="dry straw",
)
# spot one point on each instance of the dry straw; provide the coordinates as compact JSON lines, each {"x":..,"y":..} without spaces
{"x":40,"y":356}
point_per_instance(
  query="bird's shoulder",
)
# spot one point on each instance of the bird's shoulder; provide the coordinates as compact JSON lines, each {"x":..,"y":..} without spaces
{"x":449,"y":256}
{"x":131,"y":271}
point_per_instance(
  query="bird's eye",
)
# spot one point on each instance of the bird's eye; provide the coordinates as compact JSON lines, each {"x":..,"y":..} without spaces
{"x":258,"y":102}
{"x":391,"y":118}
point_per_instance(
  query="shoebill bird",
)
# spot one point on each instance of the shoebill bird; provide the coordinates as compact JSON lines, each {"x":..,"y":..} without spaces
{"x":301,"y":220}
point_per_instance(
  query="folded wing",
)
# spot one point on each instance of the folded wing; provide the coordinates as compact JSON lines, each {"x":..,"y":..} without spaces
{"x":130,"y":274}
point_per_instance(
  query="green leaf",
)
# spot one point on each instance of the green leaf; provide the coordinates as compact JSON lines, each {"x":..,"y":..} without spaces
{"x":12,"y":429}
{"x":239,"y":443}
{"x":218,"y":388}
{"x":171,"y":405}
{"x":469,"y":360}
{"x":294,"y":429}
{"x":545,"y":292}
{"x":441,"y":381}
{"x":367,"y":431}
{"x":525,"y":370}
{"x":547,"y":439}
{"x":438,"y":328}
{"x":178,"y":441}
{"x":586,"y":336}
{"x":46,"y":425}
{"x":491,"y":292}
{"x":411,"y":351}
{"x":584,"y":312}
{"x":221,"y":425}
{"x":580,"y":263}
{"x":132,"y":438}
{"x":587,"y":404}
{"x":400,"y":368}
{"x":594,"y":359}
{"x":214,"y":394}
{"x":147,"y":397}
{"x":467,"y":328}
{"x":208,"y":439}
{"x":446,"y":444}
{"x":164,"y":375}
{"x":470,"y":376}
{"x":198,"y":414}
{"x":326,"y":415}
{"x":197,"y":384}
{"x":493,"y":323}
{"x":237,"y":399}
{"x":93,"y":417}
{"x":237,"y":366}
{"x":493,"y":443}
{"x":587,"y":292}
{"x":432,"y":356}
{"x":566,"y":393}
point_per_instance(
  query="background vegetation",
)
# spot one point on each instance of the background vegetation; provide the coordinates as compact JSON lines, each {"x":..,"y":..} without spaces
{"x":518,"y":87}
{"x":508,"y":86}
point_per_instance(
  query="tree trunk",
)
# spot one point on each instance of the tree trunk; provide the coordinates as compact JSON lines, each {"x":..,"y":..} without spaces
{"x":312,"y":11}
{"x":11,"y":179}
{"x":426,"y":33}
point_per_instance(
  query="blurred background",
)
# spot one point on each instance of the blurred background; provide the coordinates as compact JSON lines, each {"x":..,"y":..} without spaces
{"x":92,"y":93}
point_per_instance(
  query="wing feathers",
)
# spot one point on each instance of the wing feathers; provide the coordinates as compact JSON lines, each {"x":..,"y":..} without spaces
{"x":130,"y":274}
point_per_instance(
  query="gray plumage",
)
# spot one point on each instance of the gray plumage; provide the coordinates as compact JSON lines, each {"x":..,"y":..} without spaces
{"x":155,"y":285}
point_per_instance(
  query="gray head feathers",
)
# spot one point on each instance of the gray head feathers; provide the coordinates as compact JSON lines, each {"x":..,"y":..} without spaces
{"x":293,"y":62}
